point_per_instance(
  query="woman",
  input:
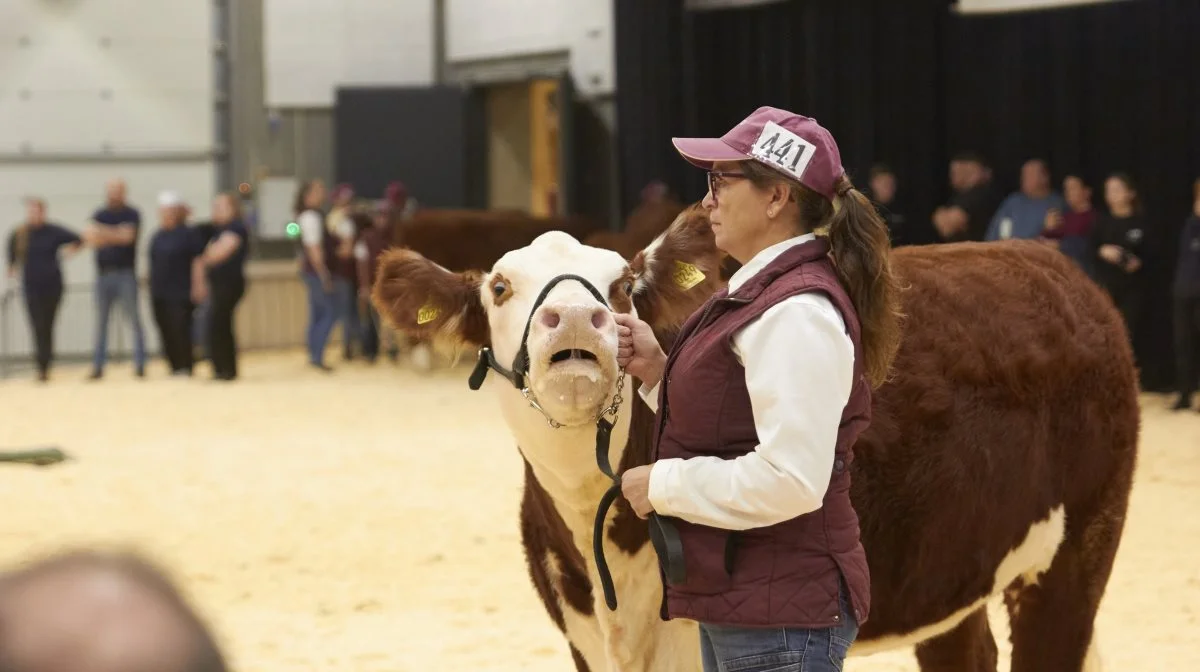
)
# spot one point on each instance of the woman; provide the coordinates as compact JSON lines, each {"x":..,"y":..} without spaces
{"x":373,"y":239}
{"x":224,"y":261}
{"x":1116,"y":248}
{"x":319,"y":251}
{"x":764,"y":393}
{"x":1187,"y":306}
{"x":176,"y":281}
{"x":1070,"y":231}
{"x":34,"y":249}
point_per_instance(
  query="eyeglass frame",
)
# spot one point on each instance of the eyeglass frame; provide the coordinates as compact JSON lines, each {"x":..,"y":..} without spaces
{"x":712,"y":181}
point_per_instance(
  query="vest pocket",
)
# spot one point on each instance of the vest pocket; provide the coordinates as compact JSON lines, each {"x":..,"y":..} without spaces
{"x":705,"y":552}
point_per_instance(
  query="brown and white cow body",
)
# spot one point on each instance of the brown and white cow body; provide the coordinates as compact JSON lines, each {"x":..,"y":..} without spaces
{"x":999,"y":459}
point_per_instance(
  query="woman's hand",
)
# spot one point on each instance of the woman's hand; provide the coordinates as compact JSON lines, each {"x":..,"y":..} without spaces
{"x":638,"y":351}
{"x":1110,"y":253}
{"x":635,"y":486}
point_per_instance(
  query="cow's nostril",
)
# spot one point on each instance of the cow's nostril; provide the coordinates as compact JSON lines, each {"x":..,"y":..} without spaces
{"x":600,"y":317}
{"x":550,"y":318}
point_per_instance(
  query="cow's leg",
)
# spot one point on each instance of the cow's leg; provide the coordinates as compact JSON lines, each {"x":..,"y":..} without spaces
{"x":969,"y":647}
{"x":1053,"y":619}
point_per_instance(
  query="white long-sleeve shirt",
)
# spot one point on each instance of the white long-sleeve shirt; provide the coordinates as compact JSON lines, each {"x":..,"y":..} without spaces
{"x":799,"y":364}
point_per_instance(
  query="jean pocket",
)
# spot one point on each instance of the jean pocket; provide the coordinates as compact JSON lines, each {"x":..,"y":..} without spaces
{"x":839,"y":648}
{"x":783,"y":661}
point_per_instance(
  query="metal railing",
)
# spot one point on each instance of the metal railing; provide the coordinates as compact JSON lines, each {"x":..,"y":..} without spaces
{"x":273,"y":314}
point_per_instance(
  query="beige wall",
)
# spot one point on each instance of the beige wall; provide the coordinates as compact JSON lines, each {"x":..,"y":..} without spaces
{"x":509,"y":179}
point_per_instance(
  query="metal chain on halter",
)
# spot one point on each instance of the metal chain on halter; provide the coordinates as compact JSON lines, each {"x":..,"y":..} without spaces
{"x":615,"y":407}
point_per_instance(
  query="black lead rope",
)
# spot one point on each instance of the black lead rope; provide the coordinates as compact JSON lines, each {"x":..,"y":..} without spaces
{"x":663,"y":534}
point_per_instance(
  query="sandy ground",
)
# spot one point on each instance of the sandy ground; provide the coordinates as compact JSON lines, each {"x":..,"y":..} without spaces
{"x":367,"y":520}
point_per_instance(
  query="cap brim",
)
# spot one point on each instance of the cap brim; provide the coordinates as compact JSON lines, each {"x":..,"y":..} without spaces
{"x":704,"y":152}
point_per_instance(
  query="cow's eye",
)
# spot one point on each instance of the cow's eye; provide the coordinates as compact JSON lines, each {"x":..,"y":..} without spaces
{"x":499,"y":287}
{"x":627,"y":288}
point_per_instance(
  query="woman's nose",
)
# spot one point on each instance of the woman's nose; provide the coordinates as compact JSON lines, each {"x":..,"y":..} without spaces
{"x":709,"y":201}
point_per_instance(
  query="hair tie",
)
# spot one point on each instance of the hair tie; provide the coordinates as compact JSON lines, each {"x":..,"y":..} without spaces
{"x":843,"y":187}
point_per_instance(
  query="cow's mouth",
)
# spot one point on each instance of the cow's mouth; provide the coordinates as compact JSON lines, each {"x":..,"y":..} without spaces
{"x":575,"y":354}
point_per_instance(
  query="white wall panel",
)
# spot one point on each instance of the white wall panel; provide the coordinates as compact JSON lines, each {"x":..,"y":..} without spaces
{"x":991,"y":6}
{"x":480,"y":30}
{"x":117,"y":75}
{"x":310,"y":47}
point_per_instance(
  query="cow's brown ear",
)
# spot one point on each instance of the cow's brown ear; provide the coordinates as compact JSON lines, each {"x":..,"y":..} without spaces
{"x":421,"y":299}
{"x":677,"y":272}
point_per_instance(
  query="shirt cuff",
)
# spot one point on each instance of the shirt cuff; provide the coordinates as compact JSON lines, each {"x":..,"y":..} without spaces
{"x":650,"y":396}
{"x":664,"y":480}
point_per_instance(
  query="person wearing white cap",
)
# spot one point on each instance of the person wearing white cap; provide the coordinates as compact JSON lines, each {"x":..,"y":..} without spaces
{"x":174,"y":253}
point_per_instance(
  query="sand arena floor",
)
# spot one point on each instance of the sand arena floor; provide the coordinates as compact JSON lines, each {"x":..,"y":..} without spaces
{"x":366,"y":521}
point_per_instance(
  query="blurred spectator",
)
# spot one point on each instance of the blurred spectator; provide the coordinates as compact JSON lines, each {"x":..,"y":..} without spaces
{"x":225,"y":261}
{"x":1116,"y":248}
{"x":402,"y":204}
{"x":972,"y":204}
{"x":86,"y":611}
{"x":1025,"y":213}
{"x":341,"y":226}
{"x":319,"y":250}
{"x":1187,"y":306}
{"x":1070,"y":231}
{"x":882,"y":191}
{"x":34,"y":249}
{"x":174,"y":285}
{"x":113,"y":232}
{"x":372,"y":241}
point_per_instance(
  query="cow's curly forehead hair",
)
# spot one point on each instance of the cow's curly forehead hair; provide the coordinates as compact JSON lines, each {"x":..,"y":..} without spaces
{"x":205,"y":654}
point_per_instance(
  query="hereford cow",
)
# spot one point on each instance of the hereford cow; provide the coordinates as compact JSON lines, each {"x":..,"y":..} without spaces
{"x":999,"y":459}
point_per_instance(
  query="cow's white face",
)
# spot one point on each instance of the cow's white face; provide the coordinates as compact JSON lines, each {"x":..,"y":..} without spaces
{"x":572,"y":342}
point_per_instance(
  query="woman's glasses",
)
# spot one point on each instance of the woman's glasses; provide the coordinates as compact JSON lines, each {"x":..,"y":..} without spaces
{"x":717,"y":179}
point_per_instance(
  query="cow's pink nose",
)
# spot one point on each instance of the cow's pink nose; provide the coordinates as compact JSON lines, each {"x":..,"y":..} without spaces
{"x":552,"y":317}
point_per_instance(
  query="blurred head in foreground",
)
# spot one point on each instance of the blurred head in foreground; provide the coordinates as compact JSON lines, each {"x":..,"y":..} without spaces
{"x":86,"y":611}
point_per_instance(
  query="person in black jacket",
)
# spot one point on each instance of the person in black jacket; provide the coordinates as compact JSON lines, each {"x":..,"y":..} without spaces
{"x":1117,"y":245}
{"x":174,"y":252}
{"x":225,"y":261}
{"x":1187,"y":307}
{"x":33,"y":250}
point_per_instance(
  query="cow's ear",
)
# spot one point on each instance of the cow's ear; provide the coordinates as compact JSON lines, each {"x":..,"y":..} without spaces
{"x":421,"y":299}
{"x":678,"y":271}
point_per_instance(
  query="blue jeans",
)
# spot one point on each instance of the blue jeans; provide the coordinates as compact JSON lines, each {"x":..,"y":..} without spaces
{"x":322,"y":314}
{"x":347,"y":313}
{"x":742,"y":649}
{"x":200,"y":319}
{"x":117,"y":287}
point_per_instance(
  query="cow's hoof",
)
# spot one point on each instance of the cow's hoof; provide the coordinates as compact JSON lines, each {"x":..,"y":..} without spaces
{"x":422,"y":358}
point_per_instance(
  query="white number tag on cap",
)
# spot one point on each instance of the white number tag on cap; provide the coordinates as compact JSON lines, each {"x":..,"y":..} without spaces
{"x":780,"y":147}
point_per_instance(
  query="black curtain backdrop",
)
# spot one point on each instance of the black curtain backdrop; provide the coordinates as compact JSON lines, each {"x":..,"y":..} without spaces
{"x":1092,"y":89}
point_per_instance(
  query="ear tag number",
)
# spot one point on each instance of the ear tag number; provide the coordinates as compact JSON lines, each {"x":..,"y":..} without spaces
{"x":687,"y":275}
{"x":427,"y":313}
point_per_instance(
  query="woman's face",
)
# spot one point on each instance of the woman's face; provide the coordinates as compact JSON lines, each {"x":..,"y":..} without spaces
{"x":737,"y":211}
{"x":316,"y":194}
{"x":1117,"y":194}
{"x":35,"y":213}
{"x":223,"y":211}
{"x":170,"y":216}
{"x":1078,"y":196}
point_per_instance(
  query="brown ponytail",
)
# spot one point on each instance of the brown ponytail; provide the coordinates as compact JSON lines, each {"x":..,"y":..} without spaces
{"x":860,"y":247}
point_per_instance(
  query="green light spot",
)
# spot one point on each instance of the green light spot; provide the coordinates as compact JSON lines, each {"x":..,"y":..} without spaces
{"x":293,"y":230}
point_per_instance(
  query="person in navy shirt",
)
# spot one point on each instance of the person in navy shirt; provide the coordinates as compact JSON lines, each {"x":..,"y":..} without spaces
{"x":174,"y":261}
{"x":224,"y":260}
{"x":33,"y":249}
{"x":1187,"y":306}
{"x":113,"y":233}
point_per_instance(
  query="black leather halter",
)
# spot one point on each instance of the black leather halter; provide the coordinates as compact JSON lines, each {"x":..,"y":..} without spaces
{"x":663,"y":534}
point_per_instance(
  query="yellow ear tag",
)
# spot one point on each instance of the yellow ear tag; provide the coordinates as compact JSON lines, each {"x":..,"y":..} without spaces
{"x":687,"y":275}
{"x":427,"y":314}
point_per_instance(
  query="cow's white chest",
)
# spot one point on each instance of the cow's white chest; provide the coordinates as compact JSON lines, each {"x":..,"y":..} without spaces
{"x":1028,"y":560}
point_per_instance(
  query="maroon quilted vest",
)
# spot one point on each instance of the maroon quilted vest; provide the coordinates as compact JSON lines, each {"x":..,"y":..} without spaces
{"x":785,"y":575}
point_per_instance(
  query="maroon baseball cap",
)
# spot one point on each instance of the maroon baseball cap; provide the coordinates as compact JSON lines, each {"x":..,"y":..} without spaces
{"x":795,"y":145}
